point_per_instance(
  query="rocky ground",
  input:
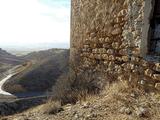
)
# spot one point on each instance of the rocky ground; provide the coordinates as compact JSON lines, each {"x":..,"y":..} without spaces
{"x":116,"y":103}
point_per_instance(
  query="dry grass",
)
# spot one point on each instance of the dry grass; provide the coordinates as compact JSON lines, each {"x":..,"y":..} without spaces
{"x":121,"y":94}
{"x":115,"y":95}
{"x":52,"y":107}
{"x":107,"y":104}
{"x":71,"y":91}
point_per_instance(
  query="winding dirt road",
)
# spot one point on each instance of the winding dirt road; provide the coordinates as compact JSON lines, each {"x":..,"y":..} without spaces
{"x":1,"y":84}
{"x":8,"y":75}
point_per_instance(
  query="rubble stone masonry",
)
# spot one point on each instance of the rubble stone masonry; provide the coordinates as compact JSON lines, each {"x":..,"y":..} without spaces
{"x":107,"y":38}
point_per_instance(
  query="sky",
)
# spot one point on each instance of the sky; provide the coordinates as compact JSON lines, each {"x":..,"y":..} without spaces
{"x":26,"y":22}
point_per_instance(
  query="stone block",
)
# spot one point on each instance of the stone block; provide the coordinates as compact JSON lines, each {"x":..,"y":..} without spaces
{"x":110,"y":51}
{"x":123,"y":13}
{"x":106,"y":45}
{"x":157,"y":67}
{"x":117,"y":31}
{"x":107,"y":40}
{"x":135,"y":59}
{"x":149,"y":72}
{"x":105,"y":56}
{"x":119,"y":59}
{"x":156,"y":76}
{"x":91,"y":56}
{"x":144,"y":63}
{"x":123,"y":52}
{"x":111,"y":64}
{"x":101,"y":40}
{"x":125,"y":58}
{"x":157,"y":86}
{"x":111,"y":58}
{"x":119,"y":20}
{"x":115,"y":45}
{"x":95,"y":50}
{"x":102,"y":50}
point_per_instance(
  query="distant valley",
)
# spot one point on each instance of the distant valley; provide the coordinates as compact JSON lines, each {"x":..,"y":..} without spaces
{"x":42,"y":70}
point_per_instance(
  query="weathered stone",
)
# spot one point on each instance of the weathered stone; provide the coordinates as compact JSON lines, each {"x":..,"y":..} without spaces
{"x":111,"y":64}
{"x":157,"y":86}
{"x":136,"y":51}
{"x":156,"y":76}
{"x":105,"y":56}
{"x":115,"y":45}
{"x":130,"y":66}
{"x":144,"y":63}
{"x":135,"y":59}
{"x":91,"y":56}
{"x":123,"y":52}
{"x":149,"y":72}
{"x":122,"y":13}
{"x":125,"y":58}
{"x":119,"y":69}
{"x":101,"y":40}
{"x":117,"y":31}
{"x":106,"y":45}
{"x":111,"y":58}
{"x":119,"y":59}
{"x":157,"y":67}
{"x":107,"y":39}
{"x":102,"y":50}
{"x":110,"y":51}
{"x":118,"y":20}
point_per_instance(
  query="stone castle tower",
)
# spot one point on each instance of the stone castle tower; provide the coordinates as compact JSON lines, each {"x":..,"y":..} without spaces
{"x":117,"y":40}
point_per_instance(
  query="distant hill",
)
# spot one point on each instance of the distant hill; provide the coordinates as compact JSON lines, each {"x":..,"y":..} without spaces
{"x":20,"y":50}
{"x":8,"y":60}
{"x":47,"y":66}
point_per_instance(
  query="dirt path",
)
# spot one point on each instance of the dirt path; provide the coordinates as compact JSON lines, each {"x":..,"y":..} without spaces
{"x":8,"y":74}
{"x":2,"y":83}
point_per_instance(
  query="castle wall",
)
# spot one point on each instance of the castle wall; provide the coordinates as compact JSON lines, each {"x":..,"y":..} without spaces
{"x":108,"y":39}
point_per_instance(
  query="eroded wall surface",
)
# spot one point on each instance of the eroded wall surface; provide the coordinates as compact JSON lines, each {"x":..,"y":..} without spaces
{"x":106,"y":38}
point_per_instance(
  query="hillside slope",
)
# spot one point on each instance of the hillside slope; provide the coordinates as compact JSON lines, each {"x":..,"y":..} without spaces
{"x":117,"y":102}
{"x":8,"y":60}
{"x":46,"y":67}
